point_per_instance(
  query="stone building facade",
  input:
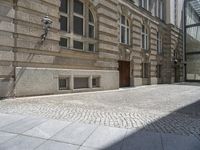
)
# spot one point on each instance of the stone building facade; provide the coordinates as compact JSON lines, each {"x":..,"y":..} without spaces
{"x":92,"y":45}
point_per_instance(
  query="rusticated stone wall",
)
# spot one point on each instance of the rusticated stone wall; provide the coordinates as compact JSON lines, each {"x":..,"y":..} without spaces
{"x":21,"y":47}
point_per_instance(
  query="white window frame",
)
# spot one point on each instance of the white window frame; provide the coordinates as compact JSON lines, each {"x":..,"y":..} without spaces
{"x":127,"y":27}
{"x":146,"y":38}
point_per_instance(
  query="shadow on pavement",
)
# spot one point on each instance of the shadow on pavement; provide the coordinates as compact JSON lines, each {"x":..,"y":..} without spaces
{"x":179,"y":130}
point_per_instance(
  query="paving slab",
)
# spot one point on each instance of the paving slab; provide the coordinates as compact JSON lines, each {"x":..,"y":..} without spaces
{"x":141,"y":140}
{"x":6,"y":136}
{"x":75,"y":133}
{"x":21,"y":143}
{"x":47,"y":129}
{"x":8,"y":119}
{"x":178,"y":142}
{"x":23,"y":125}
{"x":106,"y":137}
{"x":53,"y":145}
{"x":87,"y":148}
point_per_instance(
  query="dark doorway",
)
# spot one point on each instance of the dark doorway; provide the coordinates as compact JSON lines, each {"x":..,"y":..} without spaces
{"x":124,"y":73}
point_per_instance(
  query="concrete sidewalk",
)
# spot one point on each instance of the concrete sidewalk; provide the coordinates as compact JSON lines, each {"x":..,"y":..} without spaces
{"x":32,"y":133}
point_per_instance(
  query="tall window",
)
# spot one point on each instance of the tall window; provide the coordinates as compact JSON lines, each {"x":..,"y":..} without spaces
{"x":144,"y":4}
{"x":124,"y":30}
{"x":159,"y":43}
{"x":144,"y":37}
{"x":159,"y":8}
{"x":77,"y":19}
{"x":145,"y":70}
{"x":175,"y":12}
{"x":78,"y":24}
{"x":64,"y":15}
{"x":91,"y":25}
{"x":159,"y":71}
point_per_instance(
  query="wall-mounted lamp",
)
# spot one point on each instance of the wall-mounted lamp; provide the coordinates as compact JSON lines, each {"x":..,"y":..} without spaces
{"x":46,"y":26}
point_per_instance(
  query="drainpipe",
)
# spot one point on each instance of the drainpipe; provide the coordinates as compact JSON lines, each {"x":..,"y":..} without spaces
{"x":15,"y":46}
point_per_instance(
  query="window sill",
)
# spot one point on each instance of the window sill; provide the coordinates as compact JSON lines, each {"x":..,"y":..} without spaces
{"x":77,"y":50}
{"x":126,"y":45}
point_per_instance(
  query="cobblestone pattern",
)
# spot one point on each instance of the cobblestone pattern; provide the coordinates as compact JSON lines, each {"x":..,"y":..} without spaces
{"x":114,"y":116}
{"x":173,"y":123}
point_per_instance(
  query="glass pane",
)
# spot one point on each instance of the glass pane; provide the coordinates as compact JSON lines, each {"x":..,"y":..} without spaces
{"x":63,"y":23}
{"x":91,"y":31}
{"x":193,"y":39}
{"x":143,"y":41}
{"x":123,"y":20}
{"x":128,"y":35}
{"x":91,"y":19}
{"x":91,"y":48}
{"x":64,"y":83}
{"x":63,"y":42}
{"x":192,"y":12}
{"x":78,"y":45}
{"x":193,"y":67}
{"x":78,"y":7}
{"x":64,"y":6}
{"x":143,"y":28}
{"x":78,"y":25}
{"x":123,"y":34}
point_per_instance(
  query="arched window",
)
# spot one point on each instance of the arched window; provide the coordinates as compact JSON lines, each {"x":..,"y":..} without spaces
{"x":144,"y":38}
{"x":124,"y":30}
{"x":78,"y":20}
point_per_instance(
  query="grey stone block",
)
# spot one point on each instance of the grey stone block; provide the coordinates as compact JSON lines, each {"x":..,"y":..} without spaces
{"x":8,"y":119}
{"x":22,"y":125}
{"x":75,"y":133}
{"x":52,"y":145}
{"x":47,"y":129}
{"x":21,"y":143}
{"x":106,"y":138}
{"x":6,"y":136}
{"x":86,"y":148}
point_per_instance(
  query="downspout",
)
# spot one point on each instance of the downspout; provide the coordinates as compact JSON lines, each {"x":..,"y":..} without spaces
{"x":14,"y":63}
{"x":184,"y":40}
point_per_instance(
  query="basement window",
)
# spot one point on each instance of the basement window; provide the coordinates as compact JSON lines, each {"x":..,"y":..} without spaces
{"x":64,"y":83}
{"x":145,"y":70}
{"x":78,"y":45}
{"x":95,"y":82}
{"x":81,"y":82}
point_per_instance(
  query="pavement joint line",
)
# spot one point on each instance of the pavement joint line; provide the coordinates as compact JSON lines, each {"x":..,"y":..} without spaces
{"x":89,"y":135}
{"x":45,"y":120}
{"x":161,"y":138}
{"x":13,"y":121}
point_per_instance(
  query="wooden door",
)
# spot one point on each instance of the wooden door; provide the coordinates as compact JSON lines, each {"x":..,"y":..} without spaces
{"x":124,"y":73}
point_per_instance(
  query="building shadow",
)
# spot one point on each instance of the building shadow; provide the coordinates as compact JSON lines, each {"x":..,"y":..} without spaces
{"x":180,"y":130}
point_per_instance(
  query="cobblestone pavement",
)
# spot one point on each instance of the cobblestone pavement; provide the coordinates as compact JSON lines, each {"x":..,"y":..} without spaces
{"x":159,"y":108}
